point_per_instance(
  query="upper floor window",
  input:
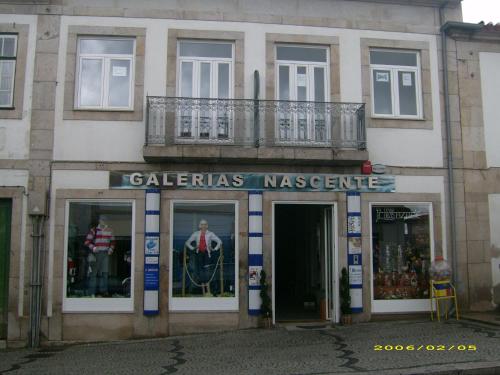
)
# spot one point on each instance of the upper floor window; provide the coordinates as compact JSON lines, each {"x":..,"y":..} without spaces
{"x":396,"y":87}
{"x":302,"y":73}
{"x":302,"y":76}
{"x":8,"y":49}
{"x":105,"y":79}
{"x":205,"y":69}
{"x":205,"y":73}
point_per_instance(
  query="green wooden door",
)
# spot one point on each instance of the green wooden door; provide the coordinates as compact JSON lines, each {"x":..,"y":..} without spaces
{"x":5,"y":217}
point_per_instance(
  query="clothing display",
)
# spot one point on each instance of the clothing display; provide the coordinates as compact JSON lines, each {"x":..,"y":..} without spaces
{"x":101,"y":242}
{"x":99,"y":250}
{"x":208,"y":237}
{"x":100,"y":239}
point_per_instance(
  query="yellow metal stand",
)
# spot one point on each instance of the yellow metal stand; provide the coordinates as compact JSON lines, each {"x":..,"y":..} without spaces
{"x":442,"y":290}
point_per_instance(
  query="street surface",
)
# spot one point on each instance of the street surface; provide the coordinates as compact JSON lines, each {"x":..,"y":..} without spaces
{"x":401,"y":347}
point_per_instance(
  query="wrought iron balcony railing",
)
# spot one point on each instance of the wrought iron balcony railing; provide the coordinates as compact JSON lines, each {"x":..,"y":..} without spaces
{"x":172,"y":120}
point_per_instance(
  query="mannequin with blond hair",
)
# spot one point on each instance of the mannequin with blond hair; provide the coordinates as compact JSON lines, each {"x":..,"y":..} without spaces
{"x":202,"y":243}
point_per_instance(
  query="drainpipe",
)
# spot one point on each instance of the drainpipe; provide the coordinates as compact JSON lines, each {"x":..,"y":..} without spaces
{"x":256,"y":114}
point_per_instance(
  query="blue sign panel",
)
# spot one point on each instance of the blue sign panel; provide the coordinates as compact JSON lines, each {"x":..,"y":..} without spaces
{"x":151,"y":277}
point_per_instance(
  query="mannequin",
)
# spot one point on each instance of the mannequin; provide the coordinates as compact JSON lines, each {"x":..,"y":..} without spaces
{"x":101,"y":243}
{"x":203,"y":244}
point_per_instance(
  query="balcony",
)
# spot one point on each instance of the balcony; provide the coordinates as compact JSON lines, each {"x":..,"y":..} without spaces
{"x":254,"y":131}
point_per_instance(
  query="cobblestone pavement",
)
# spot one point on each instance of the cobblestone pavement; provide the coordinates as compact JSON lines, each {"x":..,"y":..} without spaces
{"x":339,"y":350}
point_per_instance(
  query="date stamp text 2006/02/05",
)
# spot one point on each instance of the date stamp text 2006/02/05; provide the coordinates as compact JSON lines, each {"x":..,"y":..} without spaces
{"x":428,"y":348}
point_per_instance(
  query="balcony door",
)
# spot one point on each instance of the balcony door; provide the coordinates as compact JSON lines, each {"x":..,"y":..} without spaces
{"x":302,"y":82}
{"x":205,"y":85}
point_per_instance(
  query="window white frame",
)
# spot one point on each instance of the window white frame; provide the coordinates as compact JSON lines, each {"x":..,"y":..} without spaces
{"x":402,"y":305}
{"x":394,"y":70}
{"x":105,"y":74}
{"x":89,"y":304}
{"x":12,"y":60}
{"x":293,"y":66}
{"x":196,"y":114}
{"x":205,"y":304}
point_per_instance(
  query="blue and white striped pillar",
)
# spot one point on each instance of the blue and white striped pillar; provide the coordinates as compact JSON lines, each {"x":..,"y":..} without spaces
{"x":354,"y":259}
{"x":152,"y":252}
{"x":255,"y":258}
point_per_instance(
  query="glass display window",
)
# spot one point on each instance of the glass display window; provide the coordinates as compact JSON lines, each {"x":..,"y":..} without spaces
{"x":204,"y":256}
{"x":402,"y":251}
{"x":99,"y":256}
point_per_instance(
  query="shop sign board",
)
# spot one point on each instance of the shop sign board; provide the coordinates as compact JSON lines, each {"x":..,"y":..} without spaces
{"x":252,"y":181}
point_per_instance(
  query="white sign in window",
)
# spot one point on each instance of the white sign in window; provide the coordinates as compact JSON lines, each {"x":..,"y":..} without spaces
{"x":119,"y":71}
{"x":407,"y":81}
{"x":382,"y":77}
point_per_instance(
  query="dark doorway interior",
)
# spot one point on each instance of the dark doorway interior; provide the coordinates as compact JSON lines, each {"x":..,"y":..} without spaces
{"x":5,"y":221}
{"x":299,"y":262}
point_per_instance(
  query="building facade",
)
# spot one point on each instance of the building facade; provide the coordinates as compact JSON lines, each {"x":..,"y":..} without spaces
{"x":155,"y":158}
{"x":474,"y":76}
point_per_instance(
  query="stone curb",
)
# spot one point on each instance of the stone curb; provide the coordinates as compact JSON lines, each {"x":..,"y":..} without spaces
{"x":478,"y":320}
{"x":474,"y":368}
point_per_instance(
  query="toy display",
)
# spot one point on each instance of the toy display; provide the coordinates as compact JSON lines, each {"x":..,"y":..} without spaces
{"x":401,"y":253}
{"x":440,"y":270}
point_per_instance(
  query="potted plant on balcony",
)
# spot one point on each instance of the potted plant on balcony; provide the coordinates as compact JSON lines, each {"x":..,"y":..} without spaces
{"x":265,"y":307}
{"x":345,"y":298}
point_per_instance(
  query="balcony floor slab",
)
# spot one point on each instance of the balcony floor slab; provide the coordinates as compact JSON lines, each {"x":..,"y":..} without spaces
{"x":252,"y":155}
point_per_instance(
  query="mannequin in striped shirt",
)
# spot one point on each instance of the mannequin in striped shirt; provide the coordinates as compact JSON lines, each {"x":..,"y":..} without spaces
{"x":101,"y":243}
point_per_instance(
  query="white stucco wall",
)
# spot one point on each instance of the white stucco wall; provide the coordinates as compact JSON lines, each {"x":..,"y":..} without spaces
{"x":490,"y":90}
{"x":14,"y":178}
{"x":15,"y":134}
{"x":123,"y":141}
{"x":494,"y":206}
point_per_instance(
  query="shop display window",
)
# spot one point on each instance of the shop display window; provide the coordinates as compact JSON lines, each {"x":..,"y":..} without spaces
{"x":99,"y":250}
{"x":401,"y":246}
{"x":204,"y":255}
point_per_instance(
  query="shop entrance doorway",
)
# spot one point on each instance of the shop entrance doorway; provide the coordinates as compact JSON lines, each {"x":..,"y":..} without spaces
{"x":5,"y":215}
{"x":303,"y":262}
